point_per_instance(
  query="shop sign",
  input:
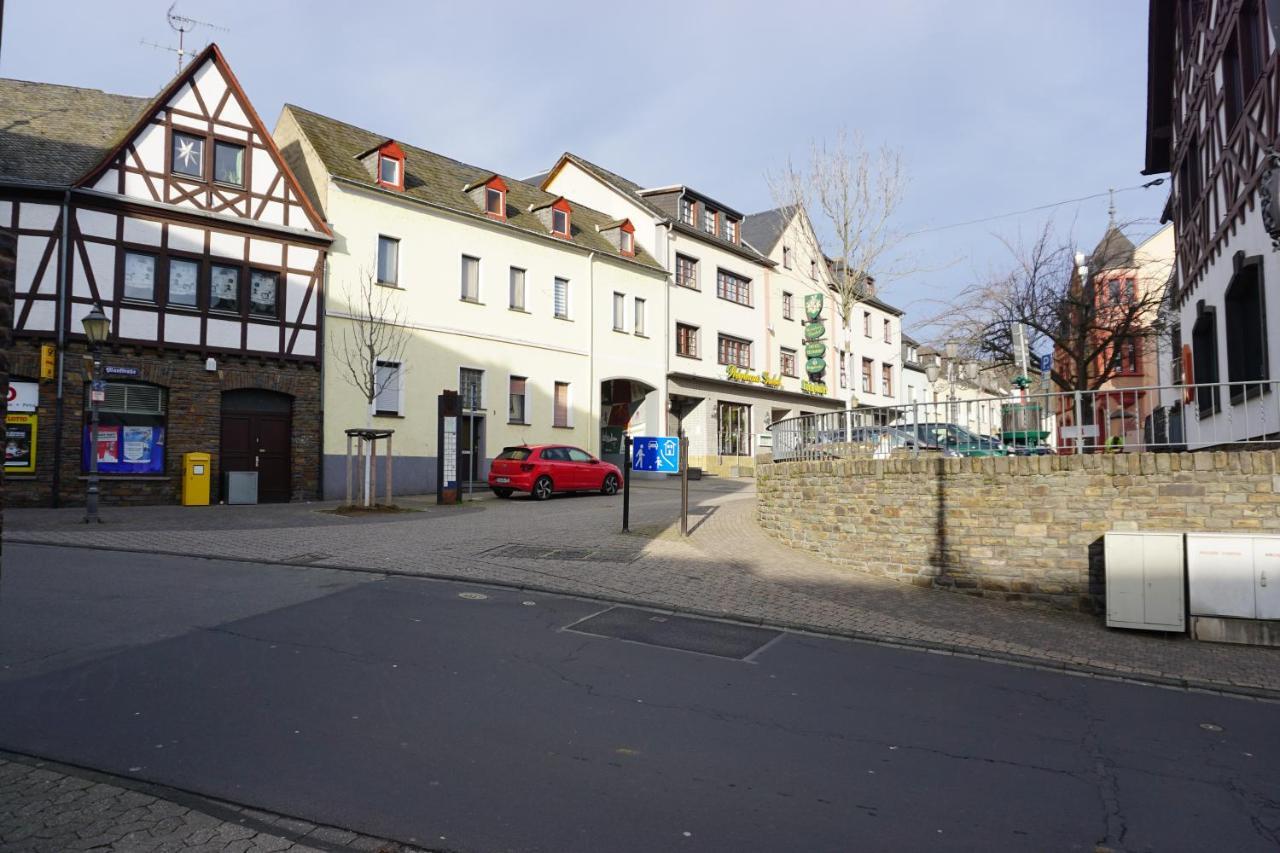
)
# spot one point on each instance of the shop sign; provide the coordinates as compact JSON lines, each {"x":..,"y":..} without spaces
{"x":20,"y":444}
{"x":813,"y":332}
{"x":815,"y":350}
{"x":737,"y":374}
{"x":813,"y":306}
{"x":816,"y":388}
{"x":117,"y":370}
{"x":771,"y":381}
{"x":24,"y":396}
{"x":815,"y":366}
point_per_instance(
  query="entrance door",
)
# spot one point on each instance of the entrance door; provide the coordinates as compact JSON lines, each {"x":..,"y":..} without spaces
{"x":257,"y":435}
{"x":472,"y":452}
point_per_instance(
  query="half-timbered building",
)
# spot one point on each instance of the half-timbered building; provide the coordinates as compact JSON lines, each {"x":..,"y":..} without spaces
{"x":179,"y":218}
{"x":1213,"y":93}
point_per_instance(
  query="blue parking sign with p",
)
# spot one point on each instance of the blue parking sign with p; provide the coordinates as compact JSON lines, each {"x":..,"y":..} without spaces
{"x":659,"y":453}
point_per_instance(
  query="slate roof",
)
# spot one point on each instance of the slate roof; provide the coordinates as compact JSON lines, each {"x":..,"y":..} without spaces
{"x":661,"y":203}
{"x":763,"y":230}
{"x":440,"y":180}
{"x":1114,"y":251}
{"x":53,"y":134}
{"x":882,"y":305}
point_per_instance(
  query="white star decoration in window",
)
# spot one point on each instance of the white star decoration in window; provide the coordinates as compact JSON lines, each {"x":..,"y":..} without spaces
{"x":188,"y":153}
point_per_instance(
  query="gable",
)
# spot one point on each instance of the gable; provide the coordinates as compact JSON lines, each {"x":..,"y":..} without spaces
{"x":200,"y":145}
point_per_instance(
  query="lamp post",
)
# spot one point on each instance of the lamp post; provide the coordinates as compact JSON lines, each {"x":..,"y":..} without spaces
{"x":967,"y":371}
{"x":96,"y":326}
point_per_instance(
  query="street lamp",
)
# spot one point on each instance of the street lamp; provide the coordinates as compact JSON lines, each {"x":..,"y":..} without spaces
{"x":96,"y":326}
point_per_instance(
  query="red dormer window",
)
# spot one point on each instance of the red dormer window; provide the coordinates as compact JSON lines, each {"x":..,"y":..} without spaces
{"x":627,"y":238}
{"x":391,"y":166}
{"x":560,"y":218}
{"x":495,"y":198}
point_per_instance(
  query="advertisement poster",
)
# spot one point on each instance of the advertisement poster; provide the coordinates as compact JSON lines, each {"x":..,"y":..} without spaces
{"x":20,"y":444}
{"x":127,"y":449}
{"x":108,"y":446}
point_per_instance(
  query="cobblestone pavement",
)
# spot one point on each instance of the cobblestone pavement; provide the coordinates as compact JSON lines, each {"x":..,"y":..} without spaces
{"x":50,"y":808}
{"x":727,"y":568}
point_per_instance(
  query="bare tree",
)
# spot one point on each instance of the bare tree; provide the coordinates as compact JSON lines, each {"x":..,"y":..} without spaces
{"x":1085,"y":308}
{"x":854,"y":192}
{"x":373,"y":334}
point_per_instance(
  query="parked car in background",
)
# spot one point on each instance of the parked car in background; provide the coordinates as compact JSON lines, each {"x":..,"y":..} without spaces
{"x":545,"y":469}
{"x":876,"y":438}
{"x":955,"y":440}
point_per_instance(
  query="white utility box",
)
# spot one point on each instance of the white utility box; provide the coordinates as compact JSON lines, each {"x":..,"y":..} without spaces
{"x":1145,"y":581}
{"x":1236,"y":576}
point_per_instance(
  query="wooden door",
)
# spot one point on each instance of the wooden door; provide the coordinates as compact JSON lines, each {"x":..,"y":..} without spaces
{"x":257,"y":435}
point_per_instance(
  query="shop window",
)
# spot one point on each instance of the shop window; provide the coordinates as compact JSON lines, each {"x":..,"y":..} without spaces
{"x":131,"y":430}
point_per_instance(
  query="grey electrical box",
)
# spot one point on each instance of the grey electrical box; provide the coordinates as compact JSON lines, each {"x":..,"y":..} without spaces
{"x":241,"y":487}
{"x":1234,"y":575}
{"x":1145,"y":575}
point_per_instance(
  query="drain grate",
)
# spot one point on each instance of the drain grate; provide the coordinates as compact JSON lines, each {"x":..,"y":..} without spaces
{"x":686,"y":633}
{"x":591,"y":555}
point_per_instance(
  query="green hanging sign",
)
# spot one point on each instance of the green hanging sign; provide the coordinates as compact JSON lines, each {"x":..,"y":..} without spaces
{"x":814,"y":331}
{"x":815,"y":350}
{"x":815,"y":366}
{"x":813,"y":306}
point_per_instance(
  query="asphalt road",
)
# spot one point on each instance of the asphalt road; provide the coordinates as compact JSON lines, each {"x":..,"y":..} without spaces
{"x":416,"y":710}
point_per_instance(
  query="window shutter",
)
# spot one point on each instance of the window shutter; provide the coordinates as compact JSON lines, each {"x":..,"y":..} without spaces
{"x":387,"y":380}
{"x":128,"y":398}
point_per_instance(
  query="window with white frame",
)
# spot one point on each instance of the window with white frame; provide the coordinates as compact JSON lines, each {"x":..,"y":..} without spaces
{"x":731,"y":350}
{"x":686,"y":211}
{"x":517,"y":289}
{"x":470,"y":279}
{"x":561,"y":413}
{"x":619,"y":312}
{"x":627,"y":242}
{"x":787,"y":361}
{"x":388,"y":170}
{"x":560,"y":222}
{"x":387,"y":385}
{"x":139,"y":276}
{"x":388,"y":260}
{"x":639,"y":320}
{"x":561,"y":298}
{"x":517,"y":406}
{"x":471,"y":389}
{"x":687,"y":272}
{"x":708,"y":220}
{"x":788,"y":306}
{"x":495,"y":202}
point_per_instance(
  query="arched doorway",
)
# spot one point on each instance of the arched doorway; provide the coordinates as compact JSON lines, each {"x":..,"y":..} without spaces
{"x":620,"y":401}
{"x":257,"y":435}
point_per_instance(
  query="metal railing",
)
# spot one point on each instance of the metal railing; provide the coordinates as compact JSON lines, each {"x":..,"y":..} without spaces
{"x":1160,"y":418}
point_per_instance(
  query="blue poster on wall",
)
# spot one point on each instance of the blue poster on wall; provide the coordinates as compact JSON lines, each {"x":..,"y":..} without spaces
{"x":126,"y":449}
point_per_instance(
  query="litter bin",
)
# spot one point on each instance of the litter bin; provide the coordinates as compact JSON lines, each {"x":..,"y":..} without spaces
{"x":196,"y":474}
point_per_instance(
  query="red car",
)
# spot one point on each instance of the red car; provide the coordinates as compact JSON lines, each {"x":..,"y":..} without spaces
{"x":543,"y":469}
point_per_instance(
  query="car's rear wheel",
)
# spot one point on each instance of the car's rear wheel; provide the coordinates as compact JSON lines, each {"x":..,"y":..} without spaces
{"x":610,"y":485}
{"x":503,"y":493}
{"x":542,"y":488}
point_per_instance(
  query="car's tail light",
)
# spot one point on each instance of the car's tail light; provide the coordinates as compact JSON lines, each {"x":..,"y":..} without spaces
{"x":526,"y":467}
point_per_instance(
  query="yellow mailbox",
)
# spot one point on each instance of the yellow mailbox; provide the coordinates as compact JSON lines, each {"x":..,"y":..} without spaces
{"x":196,"y":474}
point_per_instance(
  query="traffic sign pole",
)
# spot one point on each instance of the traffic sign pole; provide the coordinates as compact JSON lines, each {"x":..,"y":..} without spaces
{"x":684,"y":483}
{"x":626,"y":489}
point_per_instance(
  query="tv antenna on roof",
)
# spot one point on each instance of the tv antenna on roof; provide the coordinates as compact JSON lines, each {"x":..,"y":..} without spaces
{"x":182,"y":25}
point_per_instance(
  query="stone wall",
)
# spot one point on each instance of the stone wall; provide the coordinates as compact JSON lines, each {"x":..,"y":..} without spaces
{"x":1016,"y":528}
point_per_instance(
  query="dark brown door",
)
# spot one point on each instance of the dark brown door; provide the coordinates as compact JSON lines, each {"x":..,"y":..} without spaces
{"x":257,"y":430}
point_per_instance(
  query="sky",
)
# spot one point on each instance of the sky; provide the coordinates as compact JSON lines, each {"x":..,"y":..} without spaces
{"x":995,"y":105}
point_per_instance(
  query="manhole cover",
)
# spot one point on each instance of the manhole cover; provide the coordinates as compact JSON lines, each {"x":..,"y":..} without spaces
{"x":687,"y":633}
{"x":473,"y":596}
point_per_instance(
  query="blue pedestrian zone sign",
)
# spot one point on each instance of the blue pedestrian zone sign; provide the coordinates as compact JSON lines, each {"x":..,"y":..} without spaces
{"x":655,"y":453}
